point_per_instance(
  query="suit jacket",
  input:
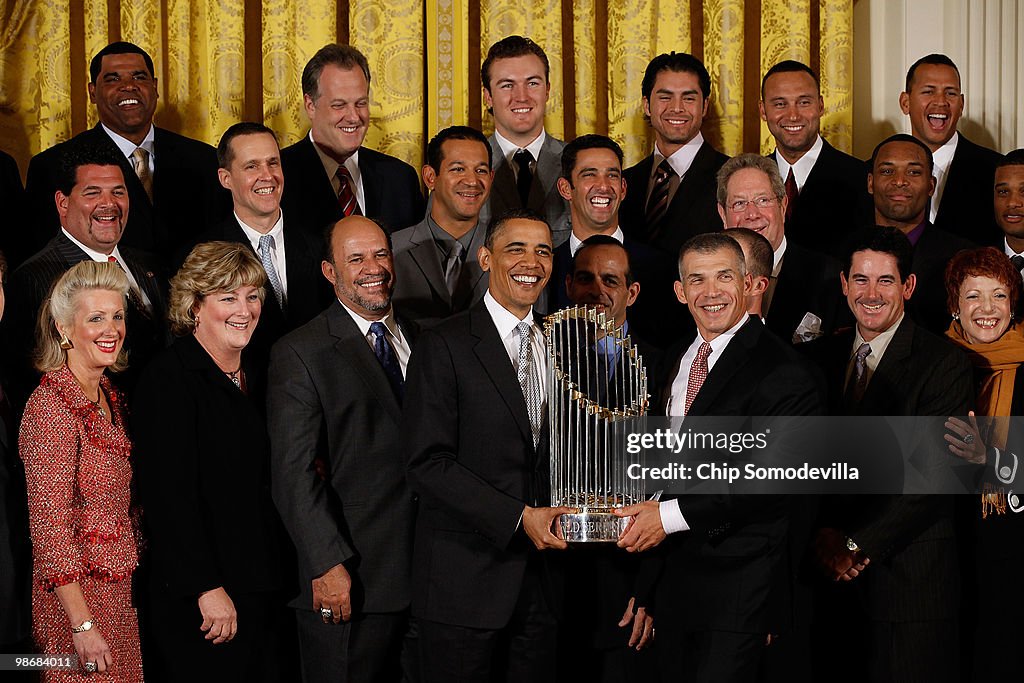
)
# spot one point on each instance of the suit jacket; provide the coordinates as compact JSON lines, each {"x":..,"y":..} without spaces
{"x":966,"y":207}
{"x":15,"y":548}
{"x":330,"y":400}
{"x":693,"y":209}
{"x":719,"y":574}
{"x":391,"y":189}
{"x":12,"y":195}
{"x":657,"y":314}
{"x":833,"y":203}
{"x":187,"y":197}
{"x":474,"y":466}
{"x":909,"y":538}
{"x":204,"y":482}
{"x":30,"y":285}
{"x":544,"y":197}
{"x":309,"y":292}
{"x":932,"y":252}
{"x":420,"y":290}
{"x":808,"y":283}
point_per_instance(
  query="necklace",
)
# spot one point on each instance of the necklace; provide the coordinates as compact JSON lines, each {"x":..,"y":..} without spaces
{"x":103,"y":413}
{"x":235,"y":377}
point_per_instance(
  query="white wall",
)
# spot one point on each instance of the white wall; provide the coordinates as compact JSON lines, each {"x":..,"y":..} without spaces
{"x":985,"y":38}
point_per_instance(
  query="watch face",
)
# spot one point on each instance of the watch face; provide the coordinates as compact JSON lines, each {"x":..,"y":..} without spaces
{"x":850,"y":545}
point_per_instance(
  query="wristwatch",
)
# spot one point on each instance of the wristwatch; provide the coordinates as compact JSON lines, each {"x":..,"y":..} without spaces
{"x":851,"y":545}
{"x":84,"y":626}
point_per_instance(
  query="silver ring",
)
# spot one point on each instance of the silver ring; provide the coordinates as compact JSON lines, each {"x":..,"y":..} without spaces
{"x":968,"y":438}
{"x":326,"y":613}
{"x":90,"y":667}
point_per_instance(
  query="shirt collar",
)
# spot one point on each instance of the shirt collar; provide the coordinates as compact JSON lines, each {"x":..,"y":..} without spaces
{"x":364,"y":325}
{"x":803,"y":166}
{"x":1009,"y":250}
{"x":575,"y":242}
{"x":722,"y":340}
{"x":331,"y":166}
{"x":880,"y":343}
{"x":277,"y":232}
{"x":503,"y":319}
{"x":777,"y":263}
{"x":127,"y":146}
{"x":508,"y":148}
{"x":98,"y":256}
{"x":943,"y":156}
{"x":683,"y":157}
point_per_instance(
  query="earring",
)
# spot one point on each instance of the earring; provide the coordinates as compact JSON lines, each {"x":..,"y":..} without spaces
{"x":65,"y":343}
{"x":956,"y":316}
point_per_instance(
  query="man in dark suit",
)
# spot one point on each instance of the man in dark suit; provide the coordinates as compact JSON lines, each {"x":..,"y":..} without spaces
{"x":903,"y":545}
{"x":963,"y":170}
{"x":591,"y":181}
{"x":474,"y":418}
{"x":338,"y":471}
{"x":802,"y":299}
{"x":331,"y":174}
{"x":437,"y":273}
{"x":900,"y":183}
{"x":672,"y":190}
{"x":1009,"y":205}
{"x":12,"y":194}
{"x":92,"y":202}
{"x":818,"y":177}
{"x":516,"y":86}
{"x":723,"y":553}
{"x":250,"y":168}
{"x":171,"y":179}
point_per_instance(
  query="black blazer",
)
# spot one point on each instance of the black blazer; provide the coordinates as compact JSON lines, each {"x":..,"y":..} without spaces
{"x":30,"y":284}
{"x":12,"y":195}
{"x":391,"y":188}
{"x":909,"y":538}
{"x":309,"y":292}
{"x":693,"y":210}
{"x":329,"y":400}
{"x":833,"y":203}
{"x":187,"y":197}
{"x":808,"y":283}
{"x":966,"y":208}
{"x":474,"y":466}
{"x":932,"y":252}
{"x":719,"y":574}
{"x":202,"y":457}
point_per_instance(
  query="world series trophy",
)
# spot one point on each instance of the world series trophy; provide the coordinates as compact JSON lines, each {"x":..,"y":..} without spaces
{"x":596,"y":380}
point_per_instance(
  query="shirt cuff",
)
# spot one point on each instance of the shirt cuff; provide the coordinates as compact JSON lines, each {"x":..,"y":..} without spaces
{"x":672,"y":519}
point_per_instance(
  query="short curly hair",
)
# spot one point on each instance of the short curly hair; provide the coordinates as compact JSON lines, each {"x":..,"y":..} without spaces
{"x":981,"y":262}
{"x":211,"y":267}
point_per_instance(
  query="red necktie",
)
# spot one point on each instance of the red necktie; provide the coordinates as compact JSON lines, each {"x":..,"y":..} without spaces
{"x":698,"y":373}
{"x":791,"y":193}
{"x":346,"y":197}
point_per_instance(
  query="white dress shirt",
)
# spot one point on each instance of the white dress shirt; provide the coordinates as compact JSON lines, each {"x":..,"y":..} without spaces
{"x":277,"y":254}
{"x":128,"y":147}
{"x":942,"y":159}
{"x":803,"y":166}
{"x":506,"y":323}
{"x":575,"y":243}
{"x":100,"y":257}
{"x":509,"y":149}
{"x":398,"y":341}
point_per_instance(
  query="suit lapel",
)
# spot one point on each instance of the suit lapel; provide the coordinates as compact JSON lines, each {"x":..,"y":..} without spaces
{"x":503,"y":188}
{"x":426,"y":257}
{"x":548,"y":168}
{"x":372,"y":185}
{"x":69,"y":251}
{"x":733,"y":358}
{"x":491,"y":353}
{"x":891,"y":370}
{"x":353,"y":350}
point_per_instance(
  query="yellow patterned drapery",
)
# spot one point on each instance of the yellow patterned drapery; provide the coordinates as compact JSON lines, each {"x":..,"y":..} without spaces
{"x":221,"y":61}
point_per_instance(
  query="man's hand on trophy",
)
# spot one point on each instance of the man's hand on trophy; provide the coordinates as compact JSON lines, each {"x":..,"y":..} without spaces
{"x":642,"y":634}
{"x":644,"y":530}
{"x":538,"y":524}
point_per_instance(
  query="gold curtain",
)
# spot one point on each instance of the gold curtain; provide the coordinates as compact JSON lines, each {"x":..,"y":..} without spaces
{"x":221,"y":61}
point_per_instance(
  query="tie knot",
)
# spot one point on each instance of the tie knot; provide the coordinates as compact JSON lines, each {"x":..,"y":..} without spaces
{"x":1018,"y":261}
{"x":704,"y":351}
{"x":523,"y":159}
{"x":863,"y":351}
{"x":112,"y":259}
{"x":140,"y":155}
{"x":266,"y":242}
{"x":457,"y":250}
{"x":378,"y":329}
{"x":343,"y":175}
{"x":664,"y":171}
{"x":523,"y":329}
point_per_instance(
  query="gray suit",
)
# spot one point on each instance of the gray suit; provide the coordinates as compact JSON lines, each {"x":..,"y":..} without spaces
{"x":544,"y":197}
{"x":420,"y":290}
{"x":338,"y":479}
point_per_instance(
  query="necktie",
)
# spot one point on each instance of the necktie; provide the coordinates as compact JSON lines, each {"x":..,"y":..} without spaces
{"x":346,"y":197}
{"x":524,"y":174}
{"x":140,"y":160}
{"x":133,"y":296}
{"x":266,"y":252}
{"x":388,"y":360}
{"x":1018,"y":262}
{"x":859,"y":379}
{"x":791,"y":193}
{"x":528,"y":380}
{"x":657,"y":203}
{"x":698,"y":373}
{"x":453,"y":268}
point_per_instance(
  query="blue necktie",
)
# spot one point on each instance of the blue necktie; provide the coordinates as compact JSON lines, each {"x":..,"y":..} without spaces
{"x":388,"y":360}
{"x":265,"y":252}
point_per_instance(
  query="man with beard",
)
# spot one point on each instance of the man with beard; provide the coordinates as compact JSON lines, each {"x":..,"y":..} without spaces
{"x":334,"y":398}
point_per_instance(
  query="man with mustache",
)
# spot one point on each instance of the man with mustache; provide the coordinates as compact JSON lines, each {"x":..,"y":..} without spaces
{"x":159,"y":167}
{"x":900,"y":183}
{"x":335,"y":391}
{"x":92,"y":201}
{"x":963,"y":171}
{"x":435,"y":260}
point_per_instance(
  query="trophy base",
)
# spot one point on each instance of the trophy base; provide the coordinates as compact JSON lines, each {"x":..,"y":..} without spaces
{"x":592,"y":526}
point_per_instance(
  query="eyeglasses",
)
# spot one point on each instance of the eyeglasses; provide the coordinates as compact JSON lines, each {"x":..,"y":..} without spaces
{"x":740,"y":205}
